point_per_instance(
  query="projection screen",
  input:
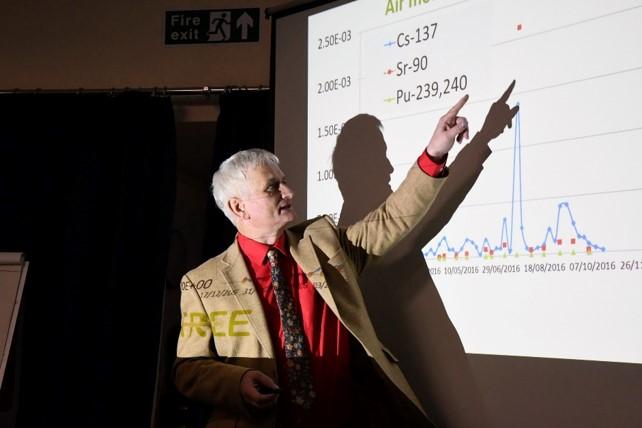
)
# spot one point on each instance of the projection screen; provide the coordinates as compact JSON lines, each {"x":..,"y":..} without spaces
{"x":543,"y":258}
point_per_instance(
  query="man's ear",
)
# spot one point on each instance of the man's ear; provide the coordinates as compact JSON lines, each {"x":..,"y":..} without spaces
{"x":237,"y":207}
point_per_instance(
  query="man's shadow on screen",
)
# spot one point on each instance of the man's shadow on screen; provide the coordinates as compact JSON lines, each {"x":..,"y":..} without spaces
{"x":400,"y":293}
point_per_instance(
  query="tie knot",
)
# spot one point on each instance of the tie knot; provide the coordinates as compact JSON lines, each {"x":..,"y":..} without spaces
{"x":273,"y":256}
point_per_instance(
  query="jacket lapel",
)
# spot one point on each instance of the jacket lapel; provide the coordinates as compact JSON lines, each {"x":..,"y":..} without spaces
{"x":237,"y":276}
{"x":340,"y":295}
{"x":303,"y":252}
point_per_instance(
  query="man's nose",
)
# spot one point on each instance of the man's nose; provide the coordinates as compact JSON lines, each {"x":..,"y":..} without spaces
{"x":286,"y":191}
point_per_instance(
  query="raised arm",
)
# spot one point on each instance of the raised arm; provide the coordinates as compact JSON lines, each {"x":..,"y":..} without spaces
{"x":379,"y":230}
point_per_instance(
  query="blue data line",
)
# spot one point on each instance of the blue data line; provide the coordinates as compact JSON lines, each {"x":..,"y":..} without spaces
{"x":507,"y":231}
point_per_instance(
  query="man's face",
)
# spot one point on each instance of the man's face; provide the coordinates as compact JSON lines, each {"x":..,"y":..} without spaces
{"x":267,"y":203}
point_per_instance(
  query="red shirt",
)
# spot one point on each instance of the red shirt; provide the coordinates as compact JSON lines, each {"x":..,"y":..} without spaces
{"x":327,"y":338}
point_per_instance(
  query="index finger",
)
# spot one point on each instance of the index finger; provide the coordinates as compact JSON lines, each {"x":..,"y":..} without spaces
{"x":507,"y":93}
{"x":455,"y":109}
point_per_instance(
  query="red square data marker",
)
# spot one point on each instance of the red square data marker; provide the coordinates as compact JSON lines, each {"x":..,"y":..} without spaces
{"x":504,"y":244}
{"x":573,"y":241}
{"x":559,"y":242}
{"x":544,"y":247}
{"x":519,"y":27}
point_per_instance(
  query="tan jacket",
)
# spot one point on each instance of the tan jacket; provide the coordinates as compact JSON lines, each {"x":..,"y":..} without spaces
{"x":224,"y":331}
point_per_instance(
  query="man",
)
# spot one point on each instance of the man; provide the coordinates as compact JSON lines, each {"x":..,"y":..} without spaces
{"x":275,"y":330}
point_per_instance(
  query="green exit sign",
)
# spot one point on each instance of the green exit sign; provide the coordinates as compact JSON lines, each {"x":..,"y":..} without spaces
{"x":211,"y":26}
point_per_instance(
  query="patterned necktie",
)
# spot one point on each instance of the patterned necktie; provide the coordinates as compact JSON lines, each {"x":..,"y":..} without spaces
{"x":296,"y":352}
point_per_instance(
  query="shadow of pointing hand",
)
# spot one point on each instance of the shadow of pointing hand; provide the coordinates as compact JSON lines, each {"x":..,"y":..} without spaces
{"x":499,"y":116}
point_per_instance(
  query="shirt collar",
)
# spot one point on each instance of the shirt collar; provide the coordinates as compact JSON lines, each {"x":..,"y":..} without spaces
{"x":256,"y":251}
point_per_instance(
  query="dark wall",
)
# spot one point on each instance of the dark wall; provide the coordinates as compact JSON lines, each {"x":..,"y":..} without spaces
{"x":87,"y":190}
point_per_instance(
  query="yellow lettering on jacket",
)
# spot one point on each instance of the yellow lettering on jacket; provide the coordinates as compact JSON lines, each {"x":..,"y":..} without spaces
{"x":216,"y":322}
{"x":194,"y":321}
{"x":234,"y":322}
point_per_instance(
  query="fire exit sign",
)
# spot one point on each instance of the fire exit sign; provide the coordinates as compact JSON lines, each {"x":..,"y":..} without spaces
{"x":211,"y":26}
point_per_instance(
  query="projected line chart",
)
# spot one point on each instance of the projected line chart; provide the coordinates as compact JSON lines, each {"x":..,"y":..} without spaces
{"x":544,"y":254}
{"x":405,"y":72}
{"x":512,"y":240}
{"x":408,"y":67}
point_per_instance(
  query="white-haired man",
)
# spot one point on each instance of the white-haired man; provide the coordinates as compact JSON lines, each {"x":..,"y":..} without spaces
{"x":275,"y":330}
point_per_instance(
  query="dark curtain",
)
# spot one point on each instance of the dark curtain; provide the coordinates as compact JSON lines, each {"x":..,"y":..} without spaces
{"x":245,"y":121}
{"x":87,"y":186}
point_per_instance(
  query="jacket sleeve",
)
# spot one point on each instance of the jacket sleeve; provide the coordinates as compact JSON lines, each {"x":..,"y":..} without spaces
{"x":383,"y":227}
{"x":198,"y":372}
